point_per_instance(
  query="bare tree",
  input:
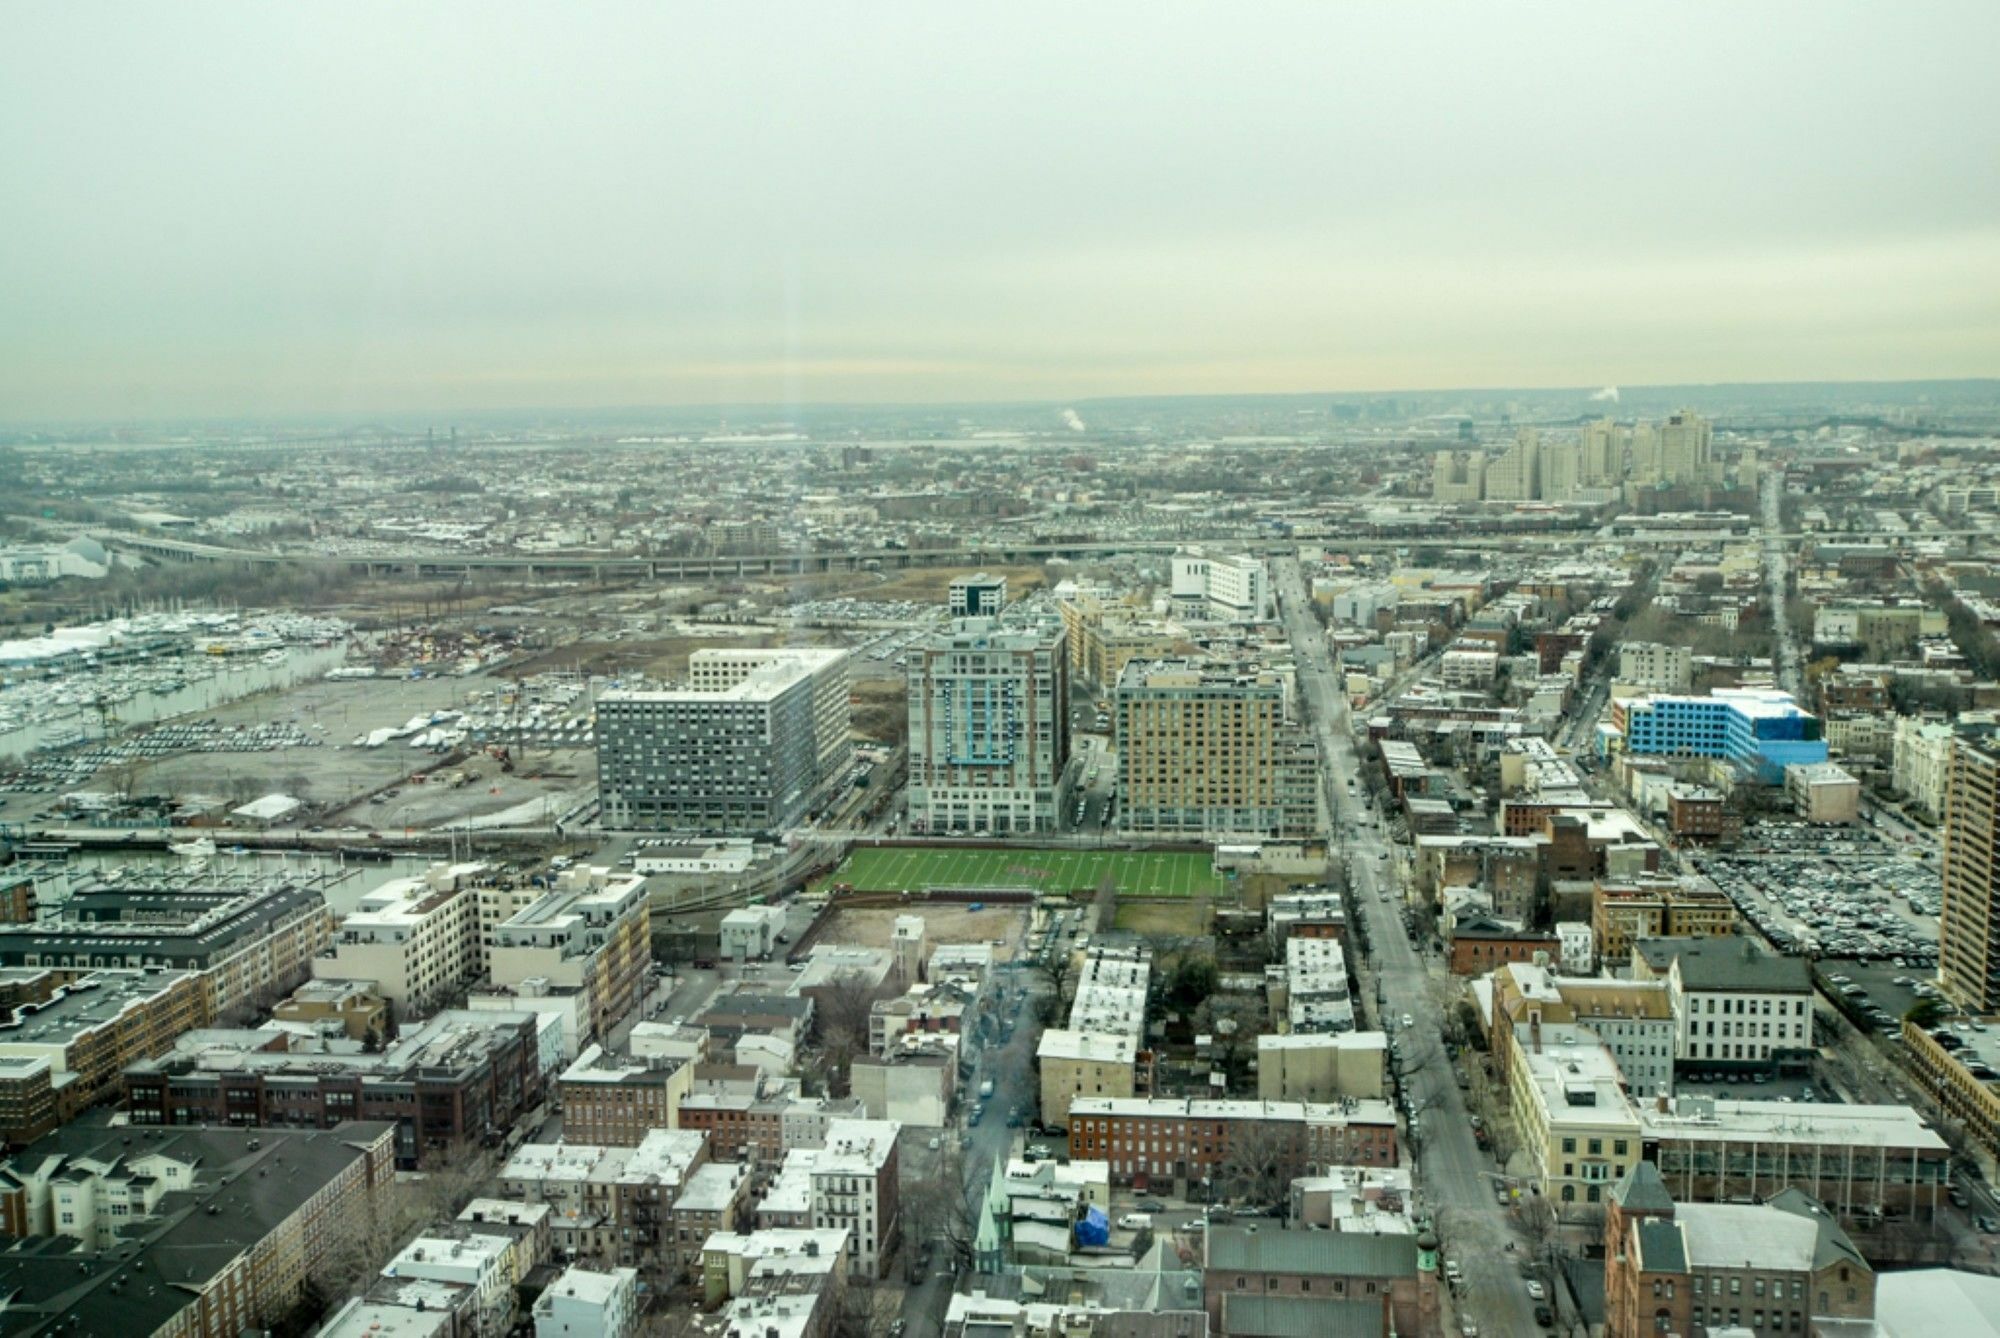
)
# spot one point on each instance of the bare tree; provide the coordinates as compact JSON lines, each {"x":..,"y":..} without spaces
{"x":358,"y":1247}
{"x":842,"y":1012}
{"x":941,"y":1208}
{"x":1258,"y":1163}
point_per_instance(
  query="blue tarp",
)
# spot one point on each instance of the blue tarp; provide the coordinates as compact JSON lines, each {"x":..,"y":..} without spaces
{"x":1093,"y":1228}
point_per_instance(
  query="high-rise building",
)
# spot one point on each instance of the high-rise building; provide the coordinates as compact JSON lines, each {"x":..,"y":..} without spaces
{"x":1203,"y":750}
{"x":1686,"y":448}
{"x":1458,"y":476}
{"x":1969,"y":924}
{"x":720,"y":670}
{"x":745,"y":747}
{"x":1562,"y":470}
{"x":1603,"y":450}
{"x":1517,"y":475}
{"x":989,"y":727}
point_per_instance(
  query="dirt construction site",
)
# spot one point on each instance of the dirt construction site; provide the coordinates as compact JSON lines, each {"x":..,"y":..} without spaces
{"x":944,"y":922}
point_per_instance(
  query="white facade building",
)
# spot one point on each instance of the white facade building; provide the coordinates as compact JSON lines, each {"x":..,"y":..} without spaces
{"x":1233,"y":588}
{"x":1653,"y":667}
{"x":1736,"y":1006}
{"x":583,"y":1303}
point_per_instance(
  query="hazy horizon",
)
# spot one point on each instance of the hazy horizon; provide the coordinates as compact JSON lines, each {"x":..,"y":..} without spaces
{"x":224,"y":210}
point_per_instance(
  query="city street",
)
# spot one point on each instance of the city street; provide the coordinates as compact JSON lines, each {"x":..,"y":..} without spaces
{"x":1455,"y":1182}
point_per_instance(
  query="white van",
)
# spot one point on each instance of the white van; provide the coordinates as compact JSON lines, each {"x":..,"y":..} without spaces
{"x":1135,"y":1222}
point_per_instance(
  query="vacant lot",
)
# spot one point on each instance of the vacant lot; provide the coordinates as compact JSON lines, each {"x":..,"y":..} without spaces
{"x":943,"y":923}
{"x":933,"y":584}
{"x":1134,"y":873}
{"x":1189,"y":918}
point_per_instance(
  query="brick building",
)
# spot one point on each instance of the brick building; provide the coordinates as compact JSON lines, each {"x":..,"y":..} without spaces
{"x":461,"y":1076}
{"x":180,"y":1231}
{"x":1171,"y":1141}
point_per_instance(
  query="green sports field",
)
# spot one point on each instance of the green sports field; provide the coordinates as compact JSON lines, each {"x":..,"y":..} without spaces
{"x":1138,"y":873}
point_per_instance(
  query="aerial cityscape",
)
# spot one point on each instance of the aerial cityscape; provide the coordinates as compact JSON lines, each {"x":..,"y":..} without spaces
{"x":557,"y":778}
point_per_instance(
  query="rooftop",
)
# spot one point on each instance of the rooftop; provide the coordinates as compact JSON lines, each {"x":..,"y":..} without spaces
{"x":1321,"y":1253}
{"x":1704,"y":1118}
{"x":1098,"y":1047}
{"x":1734,"y":963}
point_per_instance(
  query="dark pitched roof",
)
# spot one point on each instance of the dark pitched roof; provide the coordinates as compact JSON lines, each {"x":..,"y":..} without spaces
{"x":1326,"y":1253}
{"x":1642,"y":1190}
{"x":1253,"y":1316}
{"x":1732,"y":963}
{"x":1660,"y":1247}
{"x":1485,"y":926}
{"x":1833,"y":1245}
{"x":247,"y":1182}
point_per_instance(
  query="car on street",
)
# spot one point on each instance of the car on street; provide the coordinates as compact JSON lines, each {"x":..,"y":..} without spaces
{"x":1149,"y":1205}
{"x":1545,"y":1317}
{"x":1408,"y":1021}
{"x":1537,"y":1292}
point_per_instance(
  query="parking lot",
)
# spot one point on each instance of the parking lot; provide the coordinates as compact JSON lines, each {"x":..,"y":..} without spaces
{"x":1875,"y":905}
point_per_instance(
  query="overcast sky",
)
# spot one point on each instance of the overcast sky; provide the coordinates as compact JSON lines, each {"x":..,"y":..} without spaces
{"x":216,"y":209}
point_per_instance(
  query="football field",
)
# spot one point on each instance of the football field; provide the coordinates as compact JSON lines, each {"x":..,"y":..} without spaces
{"x":1137,"y":873}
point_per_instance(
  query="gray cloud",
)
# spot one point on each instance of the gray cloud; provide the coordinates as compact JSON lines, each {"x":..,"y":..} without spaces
{"x":230,"y":208}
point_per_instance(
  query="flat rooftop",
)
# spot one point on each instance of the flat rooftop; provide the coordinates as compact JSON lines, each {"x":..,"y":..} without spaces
{"x":1699,"y":1119}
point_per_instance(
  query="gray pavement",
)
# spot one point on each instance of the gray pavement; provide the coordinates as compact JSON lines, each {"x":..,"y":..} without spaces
{"x":1455,"y":1180}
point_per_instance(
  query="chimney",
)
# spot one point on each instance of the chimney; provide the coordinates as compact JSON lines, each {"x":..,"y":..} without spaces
{"x":1535,"y":1033}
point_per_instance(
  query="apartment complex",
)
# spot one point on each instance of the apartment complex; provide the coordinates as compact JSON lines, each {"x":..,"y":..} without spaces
{"x":584,"y":1301}
{"x":1632,"y":1019}
{"x":65,"y":1039}
{"x":416,"y":940}
{"x":1082,"y":1063}
{"x":989,"y":728}
{"x":613,"y":1207}
{"x":582,"y":952}
{"x":250,"y":938}
{"x":184,"y":1231}
{"x":1969,"y":920}
{"x":608,"y":1102}
{"x":1757,"y":731}
{"x":747,"y":747}
{"x":1321,"y":1068}
{"x":1653,"y":667}
{"x":850,"y":1184}
{"x":1205,"y":750}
